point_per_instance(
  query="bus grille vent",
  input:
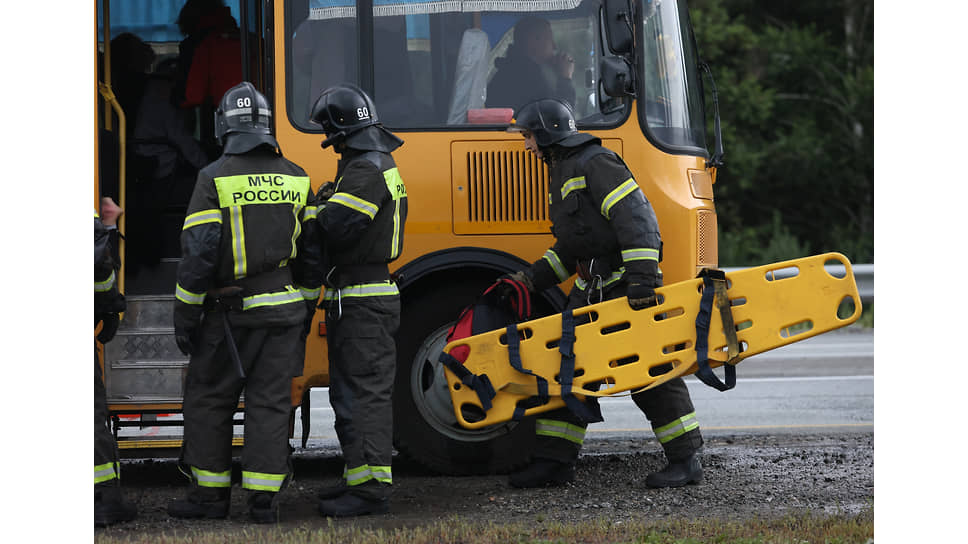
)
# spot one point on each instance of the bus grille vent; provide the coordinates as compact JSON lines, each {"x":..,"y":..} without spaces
{"x":706,"y":242}
{"x":506,"y":187}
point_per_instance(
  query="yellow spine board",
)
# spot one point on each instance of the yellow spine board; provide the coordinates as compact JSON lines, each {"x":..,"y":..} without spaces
{"x":772,"y":306}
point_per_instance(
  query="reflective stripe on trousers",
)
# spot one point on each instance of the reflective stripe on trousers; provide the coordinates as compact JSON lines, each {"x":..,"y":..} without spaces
{"x":262,"y":481}
{"x":106,"y":472}
{"x":560,"y":429}
{"x":365,"y":473}
{"x":676,"y":428}
{"x":206,"y":478}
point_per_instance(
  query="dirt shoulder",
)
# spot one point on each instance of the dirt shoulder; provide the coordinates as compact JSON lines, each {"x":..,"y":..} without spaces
{"x":746,"y":477}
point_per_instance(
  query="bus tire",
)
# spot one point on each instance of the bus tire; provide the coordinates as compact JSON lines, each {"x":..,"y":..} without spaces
{"x":424,"y":427}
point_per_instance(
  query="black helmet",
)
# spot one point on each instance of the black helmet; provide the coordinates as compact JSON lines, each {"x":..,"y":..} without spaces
{"x":551,"y":121}
{"x":245,"y":114}
{"x":348,"y":114}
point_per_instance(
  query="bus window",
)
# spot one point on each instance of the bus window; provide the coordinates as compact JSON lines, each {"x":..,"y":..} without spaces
{"x":434,"y":64}
{"x":672,"y":106}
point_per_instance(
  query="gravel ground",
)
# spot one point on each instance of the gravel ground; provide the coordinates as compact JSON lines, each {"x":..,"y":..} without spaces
{"x":746,"y":476}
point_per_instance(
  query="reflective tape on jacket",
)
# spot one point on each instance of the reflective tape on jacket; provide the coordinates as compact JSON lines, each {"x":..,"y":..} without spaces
{"x":188,"y":297}
{"x":105,"y":472}
{"x":206,"y":478}
{"x":262,"y":481}
{"x":382,"y":289}
{"x":616,"y":276}
{"x":640,"y":254}
{"x":309,"y":294}
{"x":106,"y":285}
{"x":354,"y":202}
{"x":573,"y":184}
{"x":556,"y":265}
{"x":202,"y":217}
{"x":676,"y":428}
{"x":397,"y":191}
{"x":291,"y":294}
{"x":560,"y":429}
{"x":626,"y":188}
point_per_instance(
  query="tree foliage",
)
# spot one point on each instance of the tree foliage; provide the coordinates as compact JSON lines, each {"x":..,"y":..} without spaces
{"x":796,"y":97}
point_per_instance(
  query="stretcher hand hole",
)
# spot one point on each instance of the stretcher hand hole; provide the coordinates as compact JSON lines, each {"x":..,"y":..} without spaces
{"x":785,"y":273}
{"x":669,"y":313}
{"x":615,"y":363}
{"x":681,"y":346}
{"x":847,"y":308}
{"x":615,"y":328}
{"x":523,"y":334}
{"x":797,"y":328}
{"x":836,"y":269}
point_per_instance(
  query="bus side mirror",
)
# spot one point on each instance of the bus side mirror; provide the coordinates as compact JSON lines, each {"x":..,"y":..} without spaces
{"x":616,"y":77}
{"x":617,"y":18}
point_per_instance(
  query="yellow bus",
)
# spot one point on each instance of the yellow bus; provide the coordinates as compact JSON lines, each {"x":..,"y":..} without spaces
{"x":478,"y":201}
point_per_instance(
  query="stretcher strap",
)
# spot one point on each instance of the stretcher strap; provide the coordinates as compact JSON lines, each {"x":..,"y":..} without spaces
{"x":480,"y":384}
{"x":590,"y":412}
{"x":710,"y":280}
{"x":514,"y":357}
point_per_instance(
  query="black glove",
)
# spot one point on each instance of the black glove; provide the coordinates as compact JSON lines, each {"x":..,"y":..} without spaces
{"x":184,"y":341}
{"x":516,"y":300}
{"x":325,"y":191}
{"x":640,"y":296}
{"x":109,"y":326}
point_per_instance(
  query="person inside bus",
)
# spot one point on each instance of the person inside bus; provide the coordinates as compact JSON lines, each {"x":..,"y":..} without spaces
{"x":215,"y":64}
{"x":607,"y":232}
{"x":531,"y":69}
{"x":165,"y":158}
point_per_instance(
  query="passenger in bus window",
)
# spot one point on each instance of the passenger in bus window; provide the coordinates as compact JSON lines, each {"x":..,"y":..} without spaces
{"x":110,"y":505}
{"x":361,"y":218}
{"x":605,"y":231}
{"x":248,"y":274}
{"x":531,"y":69}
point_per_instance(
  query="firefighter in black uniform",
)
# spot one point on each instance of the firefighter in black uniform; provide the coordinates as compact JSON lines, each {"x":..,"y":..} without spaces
{"x":249,"y":273}
{"x":362,"y":217}
{"x":605,"y":231}
{"x":109,"y":504}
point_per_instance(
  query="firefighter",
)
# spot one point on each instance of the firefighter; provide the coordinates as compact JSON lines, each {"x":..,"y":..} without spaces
{"x":109,"y":504}
{"x":605,"y":231}
{"x":245,"y":284}
{"x":362,"y":218}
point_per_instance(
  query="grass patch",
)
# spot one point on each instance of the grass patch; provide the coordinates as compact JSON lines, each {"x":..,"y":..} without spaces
{"x":793,"y":529}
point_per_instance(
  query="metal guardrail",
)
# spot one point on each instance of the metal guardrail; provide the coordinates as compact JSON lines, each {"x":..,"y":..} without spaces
{"x":863,"y":275}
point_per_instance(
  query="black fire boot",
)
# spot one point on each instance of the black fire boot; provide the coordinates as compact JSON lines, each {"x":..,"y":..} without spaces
{"x":202,"y":502}
{"x":543,"y":472}
{"x":263,"y":507}
{"x":356,"y":503}
{"x":110,"y":506}
{"x":332,"y":492}
{"x":677,"y":474}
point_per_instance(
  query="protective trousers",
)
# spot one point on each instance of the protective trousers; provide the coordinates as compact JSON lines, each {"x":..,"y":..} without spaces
{"x":270,"y":357}
{"x":362,"y":359}
{"x":669,"y":408}
{"x":106,"y":466}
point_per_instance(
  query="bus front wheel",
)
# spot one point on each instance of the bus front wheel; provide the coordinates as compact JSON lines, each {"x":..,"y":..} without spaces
{"x":425,"y":428}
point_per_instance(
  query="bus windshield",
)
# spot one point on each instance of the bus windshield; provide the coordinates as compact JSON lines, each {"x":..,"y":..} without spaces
{"x":449,"y":63}
{"x":671,"y":94}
